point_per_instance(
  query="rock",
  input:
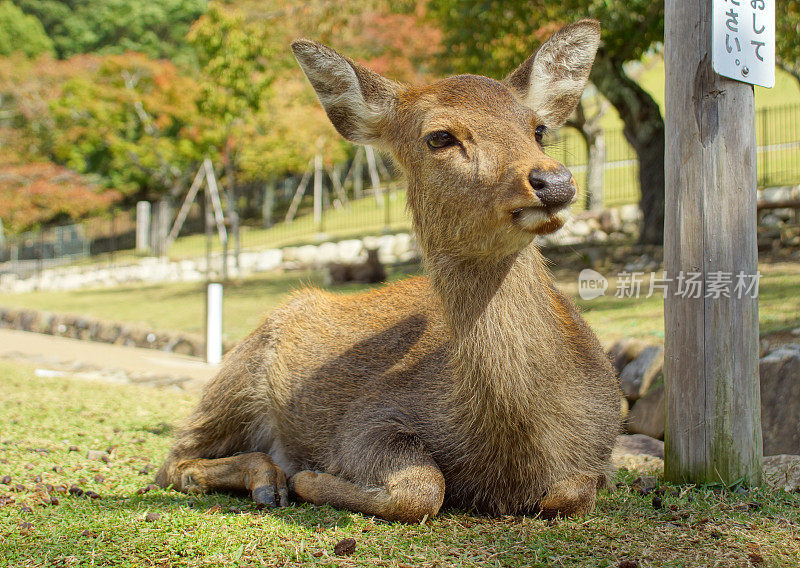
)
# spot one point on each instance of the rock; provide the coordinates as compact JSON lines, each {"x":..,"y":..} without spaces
{"x":639,"y":444}
{"x":782,"y":472}
{"x":638,"y":375}
{"x":648,"y":415}
{"x":579,"y":228}
{"x":624,"y":351}
{"x":629,"y":213}
{"x":772,"y":194}
{"x":598,"y":236}
{"x":780,"y":400}
{"x":771,"y":220}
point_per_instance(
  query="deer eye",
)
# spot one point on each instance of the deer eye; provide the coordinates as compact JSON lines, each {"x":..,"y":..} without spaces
{"x":540,"y":132}
{"x":440,"y":139}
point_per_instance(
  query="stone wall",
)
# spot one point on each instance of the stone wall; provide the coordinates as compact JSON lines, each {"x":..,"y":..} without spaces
{"x":94,"y":329}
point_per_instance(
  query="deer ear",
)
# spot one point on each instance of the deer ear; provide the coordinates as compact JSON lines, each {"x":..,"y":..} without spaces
{"x":356,"y":99}
{"x":551,"y":81}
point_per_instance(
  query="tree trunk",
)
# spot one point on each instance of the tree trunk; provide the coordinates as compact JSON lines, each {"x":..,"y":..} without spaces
{"x":793,"y":71}
{"x":592,"y":133}
{"x":644,"y":130}
{"x":231,"y":154}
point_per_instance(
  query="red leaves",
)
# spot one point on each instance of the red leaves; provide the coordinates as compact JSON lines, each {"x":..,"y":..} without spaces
{"x":37,"y":193}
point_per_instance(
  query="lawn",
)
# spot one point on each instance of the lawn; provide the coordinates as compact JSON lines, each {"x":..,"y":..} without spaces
{"x":43,"y":418}
{"x":180,"y":306}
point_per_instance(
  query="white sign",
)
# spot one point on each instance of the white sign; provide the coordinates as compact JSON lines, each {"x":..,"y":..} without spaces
{"x":744,"y":40}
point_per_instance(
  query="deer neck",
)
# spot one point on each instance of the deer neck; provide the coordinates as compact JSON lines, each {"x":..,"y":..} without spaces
{"x":502,"y":314}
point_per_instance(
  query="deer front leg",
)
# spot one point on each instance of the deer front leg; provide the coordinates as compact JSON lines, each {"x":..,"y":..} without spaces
{"x":253,"y":472}
{"x":571,"y":497}
{"x":408,"y":495}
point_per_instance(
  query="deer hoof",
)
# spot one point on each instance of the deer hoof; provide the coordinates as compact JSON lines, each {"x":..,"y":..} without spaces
{"x":571,"y":497}
{"x":270,"y":490}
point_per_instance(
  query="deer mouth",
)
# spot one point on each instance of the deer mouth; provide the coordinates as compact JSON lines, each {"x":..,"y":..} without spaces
{"x":539,"y":220}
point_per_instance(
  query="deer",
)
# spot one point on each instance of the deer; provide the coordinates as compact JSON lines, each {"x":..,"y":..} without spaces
{"x":371,"y":271}
{"x":476,"y":386}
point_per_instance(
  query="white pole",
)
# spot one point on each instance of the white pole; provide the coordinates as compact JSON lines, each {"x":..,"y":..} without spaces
{"x":142,"y":226}
{"x":214,"y":323}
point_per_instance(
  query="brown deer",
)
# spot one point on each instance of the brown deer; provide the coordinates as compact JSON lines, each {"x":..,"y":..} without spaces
{"x":479,"y":386}
{"x":371,"y":271}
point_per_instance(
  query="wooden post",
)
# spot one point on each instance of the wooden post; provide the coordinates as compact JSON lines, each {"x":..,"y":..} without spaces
{"x":711,"y":346}
{"x":318,"y":192}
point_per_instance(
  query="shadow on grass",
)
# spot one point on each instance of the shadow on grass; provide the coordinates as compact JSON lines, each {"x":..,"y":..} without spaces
{"x":170,"y":502}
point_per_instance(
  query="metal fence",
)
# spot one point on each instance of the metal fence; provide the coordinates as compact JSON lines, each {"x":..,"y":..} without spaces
{"x":368,"y":209}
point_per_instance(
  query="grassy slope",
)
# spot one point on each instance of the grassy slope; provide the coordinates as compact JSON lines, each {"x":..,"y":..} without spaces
{"x":700,"y":527}
{"x":180,"y":306}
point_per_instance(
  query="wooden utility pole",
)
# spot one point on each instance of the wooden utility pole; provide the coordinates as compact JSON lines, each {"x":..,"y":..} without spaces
{"x":711,"y":365}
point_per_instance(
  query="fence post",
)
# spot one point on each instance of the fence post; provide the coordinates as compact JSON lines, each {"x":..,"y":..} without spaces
{"x":143,"y":226}
{"x":113,"y":239}
{"x":318,"y":192}
{"x":765,"y":161}
{"x":268,"y":205}
{"x":159,"y":227}
{"x":387,"y":207}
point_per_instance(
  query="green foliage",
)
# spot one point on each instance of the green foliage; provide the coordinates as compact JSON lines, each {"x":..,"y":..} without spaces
{"x":134,"y":121}
{"x":259,"y":131}
{"x":21,"y":33}
{"x":492,"y":37}
{"x":115,"y":26}
{"x":787,"y":32}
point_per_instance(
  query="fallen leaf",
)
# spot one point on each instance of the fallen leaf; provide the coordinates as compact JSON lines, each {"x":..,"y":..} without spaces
{"x":345,"y":547}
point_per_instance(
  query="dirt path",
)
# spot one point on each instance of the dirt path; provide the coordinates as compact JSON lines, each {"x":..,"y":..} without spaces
{"x":56,"y":355}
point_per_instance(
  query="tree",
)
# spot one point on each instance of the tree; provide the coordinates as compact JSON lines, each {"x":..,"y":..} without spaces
{"x":787,"y":32}
{"x":493,"y":36}
{"x":38,"y":193}
{"x":116,"y":26}
{"x":21,"y":33}
{"x":134,"y":121}
{"x":131,"y":120}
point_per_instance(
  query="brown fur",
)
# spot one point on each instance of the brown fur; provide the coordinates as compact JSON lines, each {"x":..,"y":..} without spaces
{"x":480,"y":386}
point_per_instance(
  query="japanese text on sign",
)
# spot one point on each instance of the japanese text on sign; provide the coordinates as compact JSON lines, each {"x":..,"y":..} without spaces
{"x":744,"y":40}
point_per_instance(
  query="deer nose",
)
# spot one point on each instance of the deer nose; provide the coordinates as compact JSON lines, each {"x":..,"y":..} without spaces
{"x":553,"y":188}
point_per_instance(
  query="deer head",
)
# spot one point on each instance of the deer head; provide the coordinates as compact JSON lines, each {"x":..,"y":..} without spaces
{"x":479,"y":181}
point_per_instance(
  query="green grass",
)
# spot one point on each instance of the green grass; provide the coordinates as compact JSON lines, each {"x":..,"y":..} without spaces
{"x":42,"y":418}
{"x":179,"y":306}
